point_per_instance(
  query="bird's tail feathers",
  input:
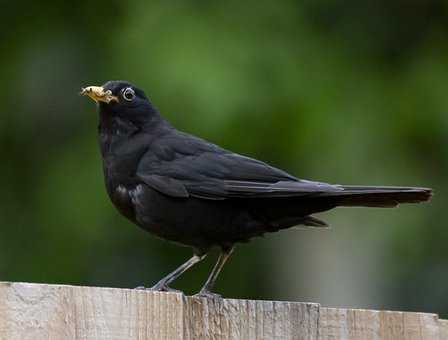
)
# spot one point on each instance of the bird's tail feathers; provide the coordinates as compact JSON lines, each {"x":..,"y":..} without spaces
{"x":384,"y":197}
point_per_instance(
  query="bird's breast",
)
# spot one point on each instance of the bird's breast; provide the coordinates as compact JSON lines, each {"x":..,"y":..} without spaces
{"x":122,"y":201}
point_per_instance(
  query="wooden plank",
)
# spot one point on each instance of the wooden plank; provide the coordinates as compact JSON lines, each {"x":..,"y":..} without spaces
{"x":443,"y":329}
{"x":370,"y":324}
{"x":33,"y":311}
{"x":39,"y":311}
{"x":245,"y":319}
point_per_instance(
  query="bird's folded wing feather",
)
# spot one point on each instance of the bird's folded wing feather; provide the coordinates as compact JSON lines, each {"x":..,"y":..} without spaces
{"x":217,"y":174}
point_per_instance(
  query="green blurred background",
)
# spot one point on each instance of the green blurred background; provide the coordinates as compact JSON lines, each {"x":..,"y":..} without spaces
{"x":351,"y":92}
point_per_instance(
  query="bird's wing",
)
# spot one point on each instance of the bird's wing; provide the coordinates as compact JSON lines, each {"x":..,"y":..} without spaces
{"x":199,"y":169}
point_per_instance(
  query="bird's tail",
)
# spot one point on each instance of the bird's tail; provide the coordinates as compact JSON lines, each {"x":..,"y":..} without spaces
{"x":292,"y":211}
{"x":384,"y":197}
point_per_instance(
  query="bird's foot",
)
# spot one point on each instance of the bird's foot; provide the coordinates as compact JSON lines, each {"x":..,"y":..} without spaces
{"x":207,"y":294}
{"x":159,"y":288}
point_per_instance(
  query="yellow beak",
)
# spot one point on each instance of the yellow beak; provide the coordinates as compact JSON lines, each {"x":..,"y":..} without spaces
{"x":98,"y":94}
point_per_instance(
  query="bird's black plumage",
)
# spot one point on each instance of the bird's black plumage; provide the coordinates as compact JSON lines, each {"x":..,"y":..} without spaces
{"x":187,"y":190}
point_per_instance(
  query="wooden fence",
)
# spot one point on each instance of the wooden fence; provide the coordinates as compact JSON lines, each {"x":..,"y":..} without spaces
{"x":40,"y":311}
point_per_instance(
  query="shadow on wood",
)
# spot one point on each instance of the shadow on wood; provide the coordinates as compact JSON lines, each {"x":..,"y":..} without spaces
{"x":39,"y":311}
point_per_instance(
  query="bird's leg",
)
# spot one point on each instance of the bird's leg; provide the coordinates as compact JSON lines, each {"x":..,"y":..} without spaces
{"x":163,"y":284}
{"x":206,"y":290}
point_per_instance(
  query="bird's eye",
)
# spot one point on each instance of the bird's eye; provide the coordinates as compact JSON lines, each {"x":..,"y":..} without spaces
{"x":128,"y":94}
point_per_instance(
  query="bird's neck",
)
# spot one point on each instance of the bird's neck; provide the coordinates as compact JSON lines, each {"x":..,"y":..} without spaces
{"x":122,"y":144}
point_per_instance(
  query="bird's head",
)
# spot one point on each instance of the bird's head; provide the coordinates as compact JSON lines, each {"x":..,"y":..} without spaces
{"x":121,"y":99}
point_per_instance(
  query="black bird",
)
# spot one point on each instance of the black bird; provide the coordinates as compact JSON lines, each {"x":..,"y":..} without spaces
{"x":184,"y":189}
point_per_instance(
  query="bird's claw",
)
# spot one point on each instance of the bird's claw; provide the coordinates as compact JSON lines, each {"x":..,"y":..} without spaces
{"x":208,"y":295}
{"x":159,"y":288}
{"x":166,"y":289}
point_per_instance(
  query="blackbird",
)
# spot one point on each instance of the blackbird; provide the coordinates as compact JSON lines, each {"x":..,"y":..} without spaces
{"x":184,"y":189}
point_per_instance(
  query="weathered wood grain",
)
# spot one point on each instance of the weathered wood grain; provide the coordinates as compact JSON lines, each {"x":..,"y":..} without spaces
{"x":371,"y":324}
{"x":39,"y":311}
